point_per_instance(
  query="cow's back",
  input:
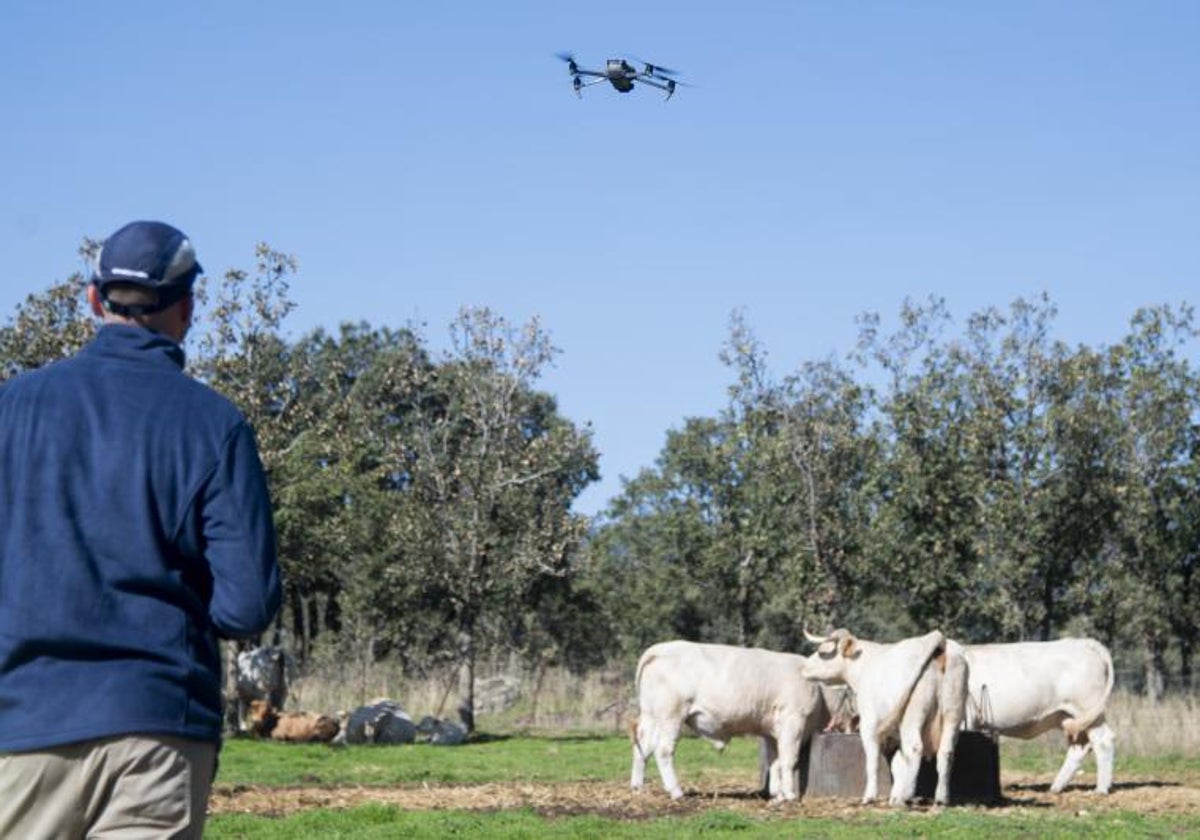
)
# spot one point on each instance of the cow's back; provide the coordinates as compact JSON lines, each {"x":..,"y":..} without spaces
{"x":742,"y":685}
{"x":1030,"y":687}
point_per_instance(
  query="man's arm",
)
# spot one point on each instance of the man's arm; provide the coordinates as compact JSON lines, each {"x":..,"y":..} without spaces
{"x":239,"y":541}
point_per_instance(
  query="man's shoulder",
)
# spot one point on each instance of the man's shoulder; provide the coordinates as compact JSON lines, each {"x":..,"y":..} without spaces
{"x":31,"y":377}
{"x":201,"y":397}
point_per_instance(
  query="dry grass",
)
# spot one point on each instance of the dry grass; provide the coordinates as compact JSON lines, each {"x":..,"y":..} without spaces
{"x":614,"y":799}
{"x":603,"y":701}
{"x":1146,"y":729}
{"x":596,"y":702}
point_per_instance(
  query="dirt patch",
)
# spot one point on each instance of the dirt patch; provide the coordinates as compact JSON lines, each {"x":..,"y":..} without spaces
{"x":1180,"y":795}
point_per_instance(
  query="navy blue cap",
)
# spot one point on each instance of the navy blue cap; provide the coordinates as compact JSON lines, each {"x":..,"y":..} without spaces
{"x":153,"y":255}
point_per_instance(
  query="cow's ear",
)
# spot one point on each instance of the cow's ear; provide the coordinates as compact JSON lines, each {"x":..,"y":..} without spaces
{"x":850,"y":648}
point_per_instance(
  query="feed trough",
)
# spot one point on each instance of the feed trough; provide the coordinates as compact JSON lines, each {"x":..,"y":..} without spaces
{"x":836,"y":767}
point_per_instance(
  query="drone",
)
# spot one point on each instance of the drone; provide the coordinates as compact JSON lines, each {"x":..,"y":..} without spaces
{"x":621,"y":75}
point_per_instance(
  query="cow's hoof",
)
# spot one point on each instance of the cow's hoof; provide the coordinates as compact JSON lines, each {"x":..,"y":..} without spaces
{"x":677,"y":794}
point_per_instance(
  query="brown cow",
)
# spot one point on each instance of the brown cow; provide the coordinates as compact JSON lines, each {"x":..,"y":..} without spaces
{"x":305,"y":727}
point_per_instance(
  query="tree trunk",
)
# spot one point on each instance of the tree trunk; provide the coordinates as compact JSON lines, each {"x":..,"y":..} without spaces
{"x":299,"y":631}
{"x":1186,"y":652}
{"x":1047,"y":627}
{"x":333,"y":614}
{"x":537,"y":690}
{"x":1155,"y":670}
{"x":230,"y":650}
{"x":313,"y":625}
{"x":466,"y":709}
{"x":744,"y":596}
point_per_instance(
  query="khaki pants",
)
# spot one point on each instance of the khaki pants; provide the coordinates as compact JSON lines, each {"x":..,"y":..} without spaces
{"x":131,"y":786}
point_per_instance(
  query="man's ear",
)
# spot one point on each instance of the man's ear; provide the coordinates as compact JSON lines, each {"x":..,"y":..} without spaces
{"x":97,"y":303}
{"x":187,"y":310}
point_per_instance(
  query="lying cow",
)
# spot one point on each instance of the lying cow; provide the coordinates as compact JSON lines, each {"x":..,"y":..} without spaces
{"x":1024,"y":689}
{"x":720,"y":692}
{"x":382,"y":722}
{"x":304,"y":727}
{"x":262,"y":674}
{"x":441,"y":733}
{"x":915,"y":690}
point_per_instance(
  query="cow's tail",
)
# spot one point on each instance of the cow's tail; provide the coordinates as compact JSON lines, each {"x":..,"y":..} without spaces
{"x":646,"y":659}
{"x":1074,"y":727}
{"x":891,"y":721}
{"x":636,"y":733}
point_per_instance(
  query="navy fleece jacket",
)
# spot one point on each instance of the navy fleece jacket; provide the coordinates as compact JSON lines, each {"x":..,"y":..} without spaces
{"x":135,"y":529}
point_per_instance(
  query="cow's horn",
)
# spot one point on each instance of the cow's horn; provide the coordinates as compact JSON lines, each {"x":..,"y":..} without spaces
{"x":816,"y":640}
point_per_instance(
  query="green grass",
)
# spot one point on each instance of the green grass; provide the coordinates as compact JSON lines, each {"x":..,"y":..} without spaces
{"x":381,"y":821}
{"x":511,"y":759}
{"x":565,"y":759}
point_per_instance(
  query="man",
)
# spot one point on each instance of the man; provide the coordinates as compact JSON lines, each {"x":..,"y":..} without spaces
{"x":135,"y":531}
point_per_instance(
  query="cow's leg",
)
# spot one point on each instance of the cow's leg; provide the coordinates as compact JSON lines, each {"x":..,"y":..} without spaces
{"x":789,"y":753}
{"x":899,"y":768}
{"x":945,"y":765}
{"x":643,"y":745}
{"x":871,"y":752}
{"x":666,"y":736}
{"x":1105,"y":744}
{"x":768,"y":753}
{"x":1075,"y":756}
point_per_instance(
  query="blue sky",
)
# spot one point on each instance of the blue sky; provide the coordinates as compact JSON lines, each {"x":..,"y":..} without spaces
{"x":833,"y":157}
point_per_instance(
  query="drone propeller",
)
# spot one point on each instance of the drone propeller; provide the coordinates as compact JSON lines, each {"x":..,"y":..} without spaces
{"x":654,"y":69}
{"x":572,"y":67}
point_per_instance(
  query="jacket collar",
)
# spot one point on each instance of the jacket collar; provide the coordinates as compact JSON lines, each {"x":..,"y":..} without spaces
{"x":129,"y":341}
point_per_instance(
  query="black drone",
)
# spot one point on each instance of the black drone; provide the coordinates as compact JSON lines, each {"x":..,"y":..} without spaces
{"x":621,"y":75}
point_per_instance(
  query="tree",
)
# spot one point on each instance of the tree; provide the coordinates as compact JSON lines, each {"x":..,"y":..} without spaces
{"x":1156,"y":552}
{"x":49,"y":325}
{"x":831,"y":466}
{"x":924,"y":529}
{"x":493,"y":469}
{"x":336,"y":492}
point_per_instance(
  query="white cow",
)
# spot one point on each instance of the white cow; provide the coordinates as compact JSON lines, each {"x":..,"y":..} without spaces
{"x":916,"y":688}
{"x":1027,"y":688}
{"x":719,"y":692}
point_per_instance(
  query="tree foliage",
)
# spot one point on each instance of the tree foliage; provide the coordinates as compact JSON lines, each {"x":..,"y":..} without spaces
{"x":991,"y":481}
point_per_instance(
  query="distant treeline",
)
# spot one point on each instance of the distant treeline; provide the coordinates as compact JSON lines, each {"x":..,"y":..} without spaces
{"x":985,"y":479}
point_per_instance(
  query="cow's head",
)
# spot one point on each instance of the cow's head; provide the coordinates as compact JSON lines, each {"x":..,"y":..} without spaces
{"x":828,"y":662}
{"x":262,"y":717}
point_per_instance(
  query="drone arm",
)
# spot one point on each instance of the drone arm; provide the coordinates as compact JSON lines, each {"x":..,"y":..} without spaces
{"x":644,"y":80}
{"x":668,"y":86}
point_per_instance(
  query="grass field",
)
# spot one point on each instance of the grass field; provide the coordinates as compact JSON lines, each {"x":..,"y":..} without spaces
{"x":576,"y":785}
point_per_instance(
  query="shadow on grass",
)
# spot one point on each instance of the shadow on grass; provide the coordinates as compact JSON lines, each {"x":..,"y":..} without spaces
{"x":487,"y":738}
{"x":1044,"y":787}
{"x":560,"y":738}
